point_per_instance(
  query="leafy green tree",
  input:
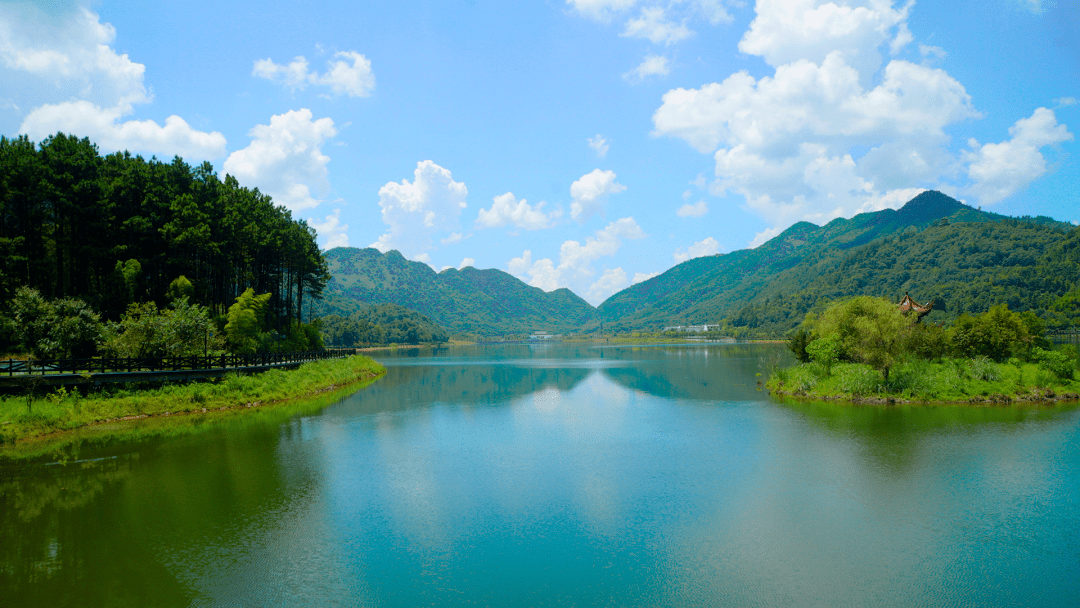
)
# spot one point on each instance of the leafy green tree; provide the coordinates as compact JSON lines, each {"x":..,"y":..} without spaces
{"x":184,"y":330}
{"x":65,"y":327}
{"x":180,"y":288}
{"x":868,"y":330}
{"x":246,"y":321}
{"x":825,"y":351}
{"x":998,"y":334}
{"x":797,"y":343}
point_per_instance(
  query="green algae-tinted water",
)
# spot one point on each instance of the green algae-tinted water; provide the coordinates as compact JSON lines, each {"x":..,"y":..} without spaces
{"x":565,"y":475}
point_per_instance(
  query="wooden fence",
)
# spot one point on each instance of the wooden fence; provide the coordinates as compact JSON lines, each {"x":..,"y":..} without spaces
{"x":133,"y":367}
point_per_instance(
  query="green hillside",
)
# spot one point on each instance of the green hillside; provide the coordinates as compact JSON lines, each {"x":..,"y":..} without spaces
{"x":934,"y":247}
{"x":466,"y":301}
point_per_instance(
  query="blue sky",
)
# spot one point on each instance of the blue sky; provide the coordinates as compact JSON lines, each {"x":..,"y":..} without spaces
{"x":583,"y":143}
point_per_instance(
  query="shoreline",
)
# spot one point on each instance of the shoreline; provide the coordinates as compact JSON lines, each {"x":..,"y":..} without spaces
{"x":271,"y":388}
{"x":1047,"y":397}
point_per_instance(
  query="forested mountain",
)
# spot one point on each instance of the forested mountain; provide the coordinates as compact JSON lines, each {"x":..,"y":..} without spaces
{"x":380,"y":324}
{"x":934,"y":247}
{"x":117,"y":229}
{"x":466,"y":301}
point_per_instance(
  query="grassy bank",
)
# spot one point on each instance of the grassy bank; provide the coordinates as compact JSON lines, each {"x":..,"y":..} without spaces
{"x":25,"y":416}
{"x":947,"y":381}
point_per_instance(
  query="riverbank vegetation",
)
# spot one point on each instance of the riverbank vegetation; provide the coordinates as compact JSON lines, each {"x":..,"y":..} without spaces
{"x":864,"y":348}
{"x":32,"y":414}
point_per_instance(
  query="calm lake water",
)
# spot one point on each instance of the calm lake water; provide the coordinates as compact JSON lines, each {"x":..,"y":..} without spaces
{"x":561,"y":475}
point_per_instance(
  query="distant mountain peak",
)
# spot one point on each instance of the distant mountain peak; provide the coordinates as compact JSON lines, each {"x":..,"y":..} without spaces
{"x":931,"y":205}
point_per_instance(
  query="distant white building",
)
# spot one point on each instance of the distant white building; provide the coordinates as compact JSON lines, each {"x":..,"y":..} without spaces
{"x":700,"y":329}
{"x":541,"y":335}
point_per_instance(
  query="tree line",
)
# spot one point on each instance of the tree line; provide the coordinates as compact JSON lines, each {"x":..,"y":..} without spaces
{"x":87,"y":240}
{"x":118,"y":229}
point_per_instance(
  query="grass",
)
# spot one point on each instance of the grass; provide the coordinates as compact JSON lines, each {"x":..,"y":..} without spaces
{"x":27,"y":416}
{"x":946,"y":381}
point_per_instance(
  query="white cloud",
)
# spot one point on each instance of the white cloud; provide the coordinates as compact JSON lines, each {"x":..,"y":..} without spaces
{"x":599,"y":144}
{"x":349,"y":73}
{"x":643,"y":276}
{"x":998,"y":170}
{"x":610,"y":282}
{"x":285,"y":159}
{"x":785,"y":31}
{"x":764,"y":236}
{"x":698,"y":209}
{"x":71,"y":53}
{"x":331,"y":231}
{"x":506,"y":210}
{"x":104,"y":127}
{"x":932,"y":53}
{"x":591,"y":191}
{"x":654,"y":26}
{"x":575,"y":259}
{"x":709,"y":246}
{"x":653,"y":65}
{"x":713,"y":11}
{"x":466,"y":262}
{"x":1037,"y":7}
{"x":416,"y":212}
{"x":600,"y":10}
{"x":62,"y":54}
{"x":828,"y":133}
{"x":455,"y":237}
{"x":1064,"y":102}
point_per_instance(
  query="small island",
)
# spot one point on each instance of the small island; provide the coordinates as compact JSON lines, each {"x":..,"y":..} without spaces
{"x":869,"y":350}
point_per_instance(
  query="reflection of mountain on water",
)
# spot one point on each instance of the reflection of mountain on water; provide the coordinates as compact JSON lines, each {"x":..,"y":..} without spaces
{"x":407,"y":387}
{"x":706,"y":373}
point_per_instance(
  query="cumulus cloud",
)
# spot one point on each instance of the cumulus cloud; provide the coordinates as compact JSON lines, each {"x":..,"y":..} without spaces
{"x":591,"y":192}
{"x":831,"y":132}
{"x":417,"y":211}
{"x":105,"y":128}
{"x":644,"y":276}
{"x":709,"y":246}
{"x":46,"y":57}
{"x":576,"y":259}
{"x":998,"y":170}
{"x":764,"y":236}
{"x":331,"y":231}
{"x":506,"y":210}
{"x":654,"y":26}
{"x":70,"y":52}
{"x":466,"y":262}
{"x":348,"y":73}
{"x":713,"y":11}
{"x":600,"y":10}
{"x":698,"y":209}
{"x":653,"y":65}
{"x":613,"y":280}
{"x":599,"y":144}
{"x":785,"y":31}
{"x":285,"y":159}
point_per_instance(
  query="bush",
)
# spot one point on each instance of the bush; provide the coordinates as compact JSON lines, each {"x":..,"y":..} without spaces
{"x":54,"y":329}
{"x":1060,"y":363}
{"x":857,"y":380}
{"x":146,"y":331}
{"x":982,"y":368}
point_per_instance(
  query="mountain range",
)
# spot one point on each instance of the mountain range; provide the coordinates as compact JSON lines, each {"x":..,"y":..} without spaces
{"x":934,"y":247}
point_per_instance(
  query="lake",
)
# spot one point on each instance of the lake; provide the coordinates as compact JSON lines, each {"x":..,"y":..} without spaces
{"x":560,"y":475}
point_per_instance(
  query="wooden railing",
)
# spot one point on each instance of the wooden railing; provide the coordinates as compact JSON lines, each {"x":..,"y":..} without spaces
{"x":15,"y":367}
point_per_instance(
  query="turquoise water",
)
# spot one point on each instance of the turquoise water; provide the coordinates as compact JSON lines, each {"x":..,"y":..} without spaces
{"x":562,"y":475}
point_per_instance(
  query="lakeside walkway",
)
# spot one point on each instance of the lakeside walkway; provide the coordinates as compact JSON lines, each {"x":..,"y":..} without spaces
{"x":16,"y":373}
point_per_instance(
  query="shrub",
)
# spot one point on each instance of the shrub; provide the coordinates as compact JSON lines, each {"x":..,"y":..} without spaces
{"x":1060,"y":363}
{"x":982,"y":368}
